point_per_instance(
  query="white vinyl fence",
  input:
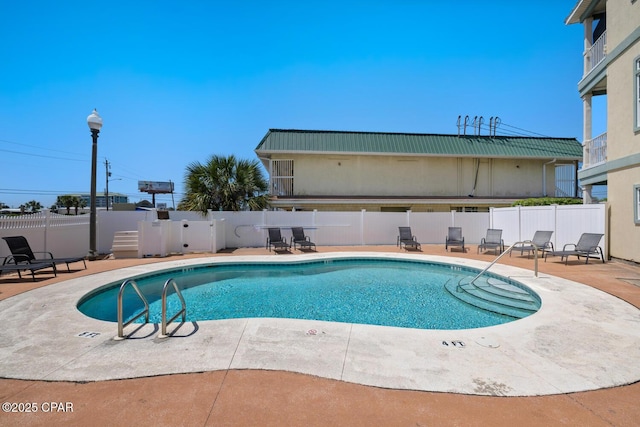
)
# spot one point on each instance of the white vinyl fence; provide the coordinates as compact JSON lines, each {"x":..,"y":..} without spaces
{"x":64,"y":235}
{"x":191,"y":232}
{"x":567,"y":222}
{"x":249,"y":229}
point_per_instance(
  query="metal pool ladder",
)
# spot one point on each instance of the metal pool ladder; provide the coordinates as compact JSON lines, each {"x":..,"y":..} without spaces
{"x":183,"y":310}
{"x":144,"y":312}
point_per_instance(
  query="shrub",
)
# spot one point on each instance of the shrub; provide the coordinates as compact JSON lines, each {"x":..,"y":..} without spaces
{"x":546,"y":201}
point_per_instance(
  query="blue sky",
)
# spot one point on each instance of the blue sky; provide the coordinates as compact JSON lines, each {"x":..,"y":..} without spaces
{"x":176,"y":82}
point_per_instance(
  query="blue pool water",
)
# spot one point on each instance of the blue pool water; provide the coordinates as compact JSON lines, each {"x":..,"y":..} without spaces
{"x":370,"y":291}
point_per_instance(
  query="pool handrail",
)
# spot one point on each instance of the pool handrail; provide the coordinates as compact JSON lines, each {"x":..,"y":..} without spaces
{"x":535,"y":247}
{"x":182,"y":311}
{"x":121,"y":324}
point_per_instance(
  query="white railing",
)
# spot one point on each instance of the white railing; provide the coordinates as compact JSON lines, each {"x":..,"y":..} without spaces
{"x":595,"y":54}
{"x":595,"y":151}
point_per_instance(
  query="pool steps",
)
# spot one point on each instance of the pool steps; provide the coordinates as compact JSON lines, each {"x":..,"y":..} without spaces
{"x":492,"y":294}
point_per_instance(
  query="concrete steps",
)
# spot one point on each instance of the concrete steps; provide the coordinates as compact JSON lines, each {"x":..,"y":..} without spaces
{"x":125,"y":244}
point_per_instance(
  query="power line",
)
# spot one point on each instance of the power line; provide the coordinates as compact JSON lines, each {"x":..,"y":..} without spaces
{"x":36,"y":146}
{"x":483,"y":126}
{"x":42,"y":155}
{"x":524,"y":130}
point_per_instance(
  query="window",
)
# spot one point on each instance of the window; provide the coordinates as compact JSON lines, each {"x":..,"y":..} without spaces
{"x":466,"y":209}
{"x":636,"y":204}
{"x":636,"y":101}
{"x":282,"y":177}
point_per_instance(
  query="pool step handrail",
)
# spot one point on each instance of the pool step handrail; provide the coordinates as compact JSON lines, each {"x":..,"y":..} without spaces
{"x":145,"y":312}
{"x":182,"y":311}
{"x":535,"y":261}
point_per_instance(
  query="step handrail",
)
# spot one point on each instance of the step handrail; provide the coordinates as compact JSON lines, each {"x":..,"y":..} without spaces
{"x":183,"y":310}
{"x":535,"y":256}
{"x":145,"y":312}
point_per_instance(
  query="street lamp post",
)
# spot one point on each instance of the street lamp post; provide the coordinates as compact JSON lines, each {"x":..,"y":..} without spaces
{"x":95,"y":123}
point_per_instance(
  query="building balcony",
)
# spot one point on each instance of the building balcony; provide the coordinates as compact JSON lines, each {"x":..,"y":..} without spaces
{"x":595,"y":151}
{"x":595,"y":54}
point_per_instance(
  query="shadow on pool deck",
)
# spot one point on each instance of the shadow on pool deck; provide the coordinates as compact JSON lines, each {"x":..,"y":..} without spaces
{"x":253,"y":397}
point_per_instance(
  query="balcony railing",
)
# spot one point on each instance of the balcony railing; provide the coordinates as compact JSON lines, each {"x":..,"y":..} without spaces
{"x":596,"y":53}
{"x":595,"y":151}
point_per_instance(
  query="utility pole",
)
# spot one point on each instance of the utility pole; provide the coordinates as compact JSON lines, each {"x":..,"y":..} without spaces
{"x":107,"y":166}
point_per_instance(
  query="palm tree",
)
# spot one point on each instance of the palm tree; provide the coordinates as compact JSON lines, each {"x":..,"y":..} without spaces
{"x":66,"y":201}
{"x":79,"y":202}
{"x":33,"y":206}
{"x":224,"y":183}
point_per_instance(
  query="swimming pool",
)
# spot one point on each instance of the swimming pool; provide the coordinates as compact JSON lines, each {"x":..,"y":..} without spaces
{"x":397,"y":293}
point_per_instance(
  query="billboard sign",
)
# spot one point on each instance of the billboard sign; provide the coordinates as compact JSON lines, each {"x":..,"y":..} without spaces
{"x":155,"y":187}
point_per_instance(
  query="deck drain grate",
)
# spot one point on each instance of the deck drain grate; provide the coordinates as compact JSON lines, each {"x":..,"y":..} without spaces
{"x":87,"y":334}
{"x":455,"y":343}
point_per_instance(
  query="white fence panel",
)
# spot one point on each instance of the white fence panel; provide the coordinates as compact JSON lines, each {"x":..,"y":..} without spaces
{"x":62,"y":235}
{"x":153,"y":238}
{"x":192,"y":236}
{"x":568,"y":222}
{"x":534,"y":218}
{"x":474,"y":225}
{"x":277,"y":219}
{"x":430,"y":227}
{"x":381,"y":228}
{"x":573,"y":220}
{"x":67,"y":241}
{"x":242,"y":229}
{"x":338,"y":228}
{"x":509,"y":220}
{"x":219,"y":235}
{"x":188,"y":215}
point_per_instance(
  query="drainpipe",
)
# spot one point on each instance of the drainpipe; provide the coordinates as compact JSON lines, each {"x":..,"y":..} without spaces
{"x":544,"y":176}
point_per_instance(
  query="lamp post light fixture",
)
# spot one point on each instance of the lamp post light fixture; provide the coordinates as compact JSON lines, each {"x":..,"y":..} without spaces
{"x":95,"y":123}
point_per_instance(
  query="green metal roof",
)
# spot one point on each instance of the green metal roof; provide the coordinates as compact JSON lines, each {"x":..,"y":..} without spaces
{"x":409,"y":144}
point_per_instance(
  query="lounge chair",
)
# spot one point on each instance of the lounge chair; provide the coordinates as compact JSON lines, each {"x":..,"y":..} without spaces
{"x":22,"y":252}
{"x":541,"y":240}
{"x":407,"y":239}
{"x":298,"y":238}
{"x":275,"y":239}
{"x":587,"y":246}
{"x":454,"y":238}
{"x":10,"y":265}
{"x":492,"y":241}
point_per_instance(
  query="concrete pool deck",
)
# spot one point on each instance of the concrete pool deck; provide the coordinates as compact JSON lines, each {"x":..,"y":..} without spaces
{"x":593,"y":343}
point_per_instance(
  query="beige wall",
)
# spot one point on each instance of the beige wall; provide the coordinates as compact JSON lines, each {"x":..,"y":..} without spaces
{"x":625,"y":234}
{"x":318,"y":175}
{"x":622,"y":19}
{"x":426,"y":206}
{"x":621,"y":139}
